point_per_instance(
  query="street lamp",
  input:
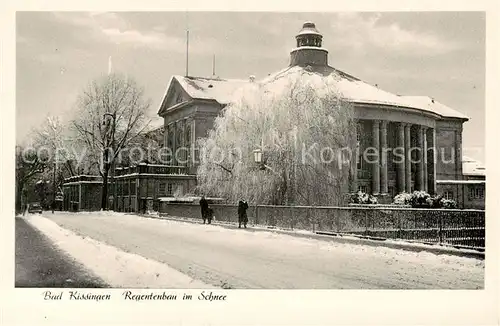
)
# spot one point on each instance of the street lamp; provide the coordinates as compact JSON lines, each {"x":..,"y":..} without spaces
{"x":106,"y":153}
{"x":54,"y":188}
{"x":257,"y":157}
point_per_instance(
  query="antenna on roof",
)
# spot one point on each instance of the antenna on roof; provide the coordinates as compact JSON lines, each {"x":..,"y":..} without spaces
{"x":187,"y":44}
{"x":110,"y":66}
{"x":213,"y":67}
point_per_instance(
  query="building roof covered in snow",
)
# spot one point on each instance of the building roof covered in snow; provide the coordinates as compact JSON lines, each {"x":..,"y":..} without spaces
{"x":309,"y":62}
{"x":201,"y":88}
{"x":472,"y":167}
{"x":210,"y":88}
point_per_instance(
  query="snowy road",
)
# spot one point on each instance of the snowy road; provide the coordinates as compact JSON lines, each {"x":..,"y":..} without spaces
{"x":233,"y":258}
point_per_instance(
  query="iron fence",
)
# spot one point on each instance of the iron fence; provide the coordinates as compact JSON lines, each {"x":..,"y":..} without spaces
{"x":463,"y":228}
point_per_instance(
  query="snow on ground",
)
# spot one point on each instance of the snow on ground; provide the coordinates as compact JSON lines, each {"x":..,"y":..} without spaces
{"x":237,"y":238}
{"x":410,"y":245}
{"x":117,"y":268}
{"x":241,"y":258}
{"x":263,"y":239}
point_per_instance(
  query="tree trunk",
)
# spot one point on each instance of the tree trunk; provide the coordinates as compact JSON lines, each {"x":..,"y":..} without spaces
{"x":104,"y":198}
{"x":19,"y":200}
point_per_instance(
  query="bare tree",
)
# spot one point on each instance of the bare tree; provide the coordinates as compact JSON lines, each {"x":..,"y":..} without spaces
{"x":111,"y":115}
{"x":28,"y":165}
{"x":304,"y":128}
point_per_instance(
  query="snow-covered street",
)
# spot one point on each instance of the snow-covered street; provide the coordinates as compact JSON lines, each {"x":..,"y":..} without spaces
{"x":211,"y":255}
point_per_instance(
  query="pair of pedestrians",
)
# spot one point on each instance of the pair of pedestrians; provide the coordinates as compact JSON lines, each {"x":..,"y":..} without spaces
{"x":207,"y":213}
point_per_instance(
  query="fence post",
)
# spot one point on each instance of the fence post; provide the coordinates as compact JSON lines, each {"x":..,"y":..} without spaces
{"x":400,"y":229}
{"x":312,"y":219}
{"x":440,"y":231}
{"x":336,"y":219}
{"x":256,"y":214}
{"x":366,"y":221}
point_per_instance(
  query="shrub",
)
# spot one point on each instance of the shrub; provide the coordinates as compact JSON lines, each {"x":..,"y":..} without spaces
{"x":363,"y":198}
{"x":421,"y":199}
{"x":402,"y":199}
{"x":448,"y":204}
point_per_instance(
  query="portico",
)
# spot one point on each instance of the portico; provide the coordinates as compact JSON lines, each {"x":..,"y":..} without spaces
{"x":399,"y":164}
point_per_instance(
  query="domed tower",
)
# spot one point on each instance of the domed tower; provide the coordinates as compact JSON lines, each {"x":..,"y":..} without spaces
{"x":309,"y":51}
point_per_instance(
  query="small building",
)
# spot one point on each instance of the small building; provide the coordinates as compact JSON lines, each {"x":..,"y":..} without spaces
{"x":138,"y":188}
{"x":468,"y":192}
{"x":82,"y":193}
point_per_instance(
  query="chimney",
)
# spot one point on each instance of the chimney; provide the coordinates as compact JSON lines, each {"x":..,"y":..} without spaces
{"x":252,"y":78}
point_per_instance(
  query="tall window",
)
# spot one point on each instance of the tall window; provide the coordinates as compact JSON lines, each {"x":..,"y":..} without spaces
{"x":448,"y":194}
{"x":363,"y":188}
{"x":476,"y":192}
{"x":170,"y":140}
{"x":188,"y":142}
{"x":188,"y":134}
{"x":170,"y":188}
{"x":162,"y":188}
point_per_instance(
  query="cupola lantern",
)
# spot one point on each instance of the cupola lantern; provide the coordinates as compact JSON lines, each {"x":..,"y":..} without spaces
{"x":309,"y":51}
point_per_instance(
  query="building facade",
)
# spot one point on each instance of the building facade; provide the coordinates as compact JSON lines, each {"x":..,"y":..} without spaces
{"x":82,"y":193}
{"x":139,"y":188}
{"x":417,"y":139}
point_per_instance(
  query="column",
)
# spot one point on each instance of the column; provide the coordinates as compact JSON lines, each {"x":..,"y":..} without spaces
{"x":408,"y":157}
{"x":384,"y":188}
{"x":401,"y":160}
{"x":353,"y":170}
{"x":432,"y":161}
{"x":376,"y":163}
{"x":420,"y":159}
{"x":424,"y":152}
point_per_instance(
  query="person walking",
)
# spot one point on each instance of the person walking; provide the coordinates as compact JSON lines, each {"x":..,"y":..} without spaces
{"x":204,"y":209}
{"x":242,"y":214}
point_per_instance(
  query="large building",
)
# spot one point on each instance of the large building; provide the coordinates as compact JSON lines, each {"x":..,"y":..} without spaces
{"x":384,"y":120}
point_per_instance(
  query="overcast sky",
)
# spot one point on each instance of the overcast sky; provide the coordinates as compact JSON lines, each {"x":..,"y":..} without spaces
{"x":439,"y":54}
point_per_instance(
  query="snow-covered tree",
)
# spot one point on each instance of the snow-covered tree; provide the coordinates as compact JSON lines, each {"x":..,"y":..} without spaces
{"x":111,"y":115}
{"x":304,"y":128}
{"x":55,"y":136}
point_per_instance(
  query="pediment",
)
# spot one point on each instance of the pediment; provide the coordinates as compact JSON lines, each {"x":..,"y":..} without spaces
{"x":175,"y":95}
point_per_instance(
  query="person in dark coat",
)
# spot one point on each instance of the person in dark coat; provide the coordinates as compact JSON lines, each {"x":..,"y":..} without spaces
{"x":209,"y":215}
{"x":204,"y":209}
{"x":242,"y":214}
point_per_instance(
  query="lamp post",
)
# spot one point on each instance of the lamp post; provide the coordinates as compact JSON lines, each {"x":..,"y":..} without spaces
{"x":257,"y":157}
{"x":54,"y":188}
{"x":106,"y":152}
{"x":259,"y":160}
